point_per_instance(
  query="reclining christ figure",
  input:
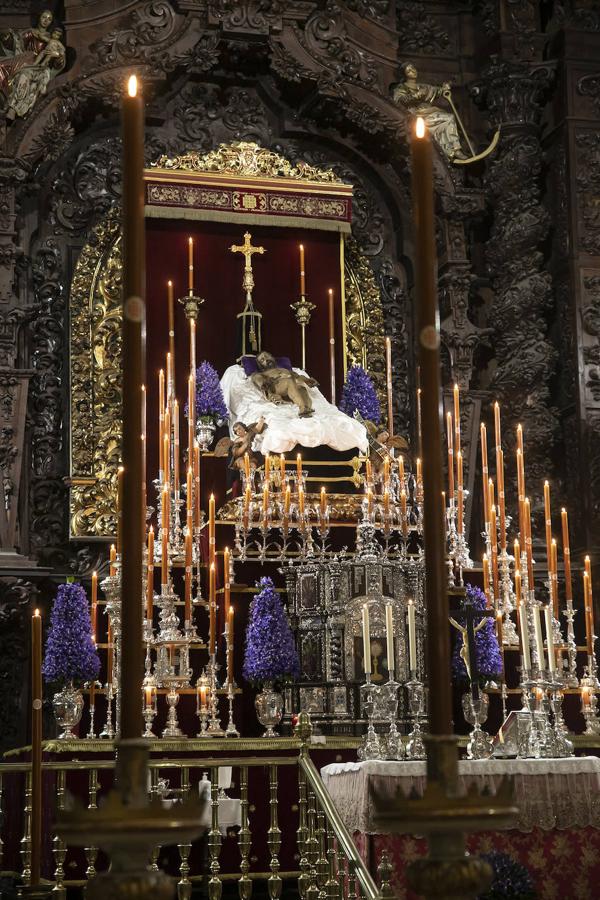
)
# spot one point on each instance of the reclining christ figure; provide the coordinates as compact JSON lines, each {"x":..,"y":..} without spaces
{"x":294,"y":410}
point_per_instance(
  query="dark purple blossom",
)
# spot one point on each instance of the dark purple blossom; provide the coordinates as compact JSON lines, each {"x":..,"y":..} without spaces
{"x":488,"y":656}
{"x":210,"y":402}
{"x":511,"y":880}
{"x":270,"y":652}
{"x":359,"y":394}
{"x":71,"y":654}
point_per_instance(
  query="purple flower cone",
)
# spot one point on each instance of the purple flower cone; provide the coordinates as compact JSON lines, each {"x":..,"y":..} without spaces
{"x":71,"y":654}
{"x":209,"y":395}
{"x":487,"y":650}
{"x":358,"y":394}
{"x":270,"y":652}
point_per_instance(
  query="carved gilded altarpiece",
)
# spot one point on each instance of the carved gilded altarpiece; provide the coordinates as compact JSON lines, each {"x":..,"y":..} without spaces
{"x":237,"y":172}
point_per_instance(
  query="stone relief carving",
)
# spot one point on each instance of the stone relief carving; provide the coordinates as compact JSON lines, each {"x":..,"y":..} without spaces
{"x":588,"y":189}
{"x":151,"y":27}
{"x":418,"y":31}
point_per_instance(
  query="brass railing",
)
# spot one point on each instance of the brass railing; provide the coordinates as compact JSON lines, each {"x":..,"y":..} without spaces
{"x":329,"y":865}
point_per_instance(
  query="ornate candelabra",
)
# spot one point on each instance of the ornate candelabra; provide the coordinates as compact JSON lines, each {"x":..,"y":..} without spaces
{"x":589,"y":703}
{"x":149,"y":708}
{"x":394,"y":744}
{"x":214,"y":726}
{"x":371,"y":744}
{"x":202,"y":688}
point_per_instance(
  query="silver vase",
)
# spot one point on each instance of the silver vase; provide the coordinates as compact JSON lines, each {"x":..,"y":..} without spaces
{"x":475,"y":710}
{"x":68,"y":706}
{"x":205,"y":432}
{"x":269,"y":708}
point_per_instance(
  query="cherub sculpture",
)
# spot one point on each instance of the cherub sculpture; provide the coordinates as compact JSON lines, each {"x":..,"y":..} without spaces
{"x":241,"y":444}
{"x":281,"y":385}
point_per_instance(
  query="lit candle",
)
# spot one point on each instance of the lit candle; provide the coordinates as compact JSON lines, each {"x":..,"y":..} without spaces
{"x":388,"y":384}
{"x":521,"y":494}
{"x":227,"y":581}
{"x":401,"y":470}
{"x":286,"y":503}
{"x":282,"y":470}
{"x":412,"y":637}
{"x":369,"y":503}
{"x":120,"y":509}
{"x":301,"y":501}
{"x":419,"y":472}
{"x":548,"y":524}
{"x":331,"y":346}
{"x":150,"y":579}
{"x":459,"y":492}
{"x":171,"y":305}
{"x":267,"y":468}
{"x":112,"y":570}
{"x":299,"y":468}
{"x":187,"y":617}
{"x":189,"y":498}
{"x":520,"y":438}
{"x":369,"y":471}
{"x":176,"y":447}
{"x":517,"y":555}
{"x":36,"y":747}
{"x":230,"y":645}
{"x":133,"y":361}
{"x":164,"y":523}
{"x":419,"y":429}
{"x":366,"y":639}
{"x":386,"y":470}
{"x":196,"y":484}
{"x":166,"y":454}
{"x":212,"y":610}
{"x":323,"y":503}
{"x":518,"y":588}
{"x":450,"y":436}
{"x":537,"y":634}
{"x":554,"y":575}
{"x":524,"y":635}
{"x":484,"y":472}
{"x":149,"y":694}
{"x":211,"y":530}
{"x":386,"y":506}
{"x":202,"y":692}
{"x":302,"y":275}
{"x":191,"y":266}
{"x":94,"y":614}
{"x":566,"y":554}
{"x":549,"y":638}
{"x":499,"y":629}
{"x":247,"y":466}
{"x":161,"y":422}
{"x":528,"y":546}
{"x":389,"y":634}
{"x":266,"y":506}
{"x":456,"y":393}
{"x":497,"y":426}
{"x":501,"y":497}
{"x":589,"y":605}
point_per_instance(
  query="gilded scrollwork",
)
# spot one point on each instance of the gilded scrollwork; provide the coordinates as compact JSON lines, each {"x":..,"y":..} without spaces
{"x":96,"y":381}
{"x":365,"y":343}
{"x":246,"y":158}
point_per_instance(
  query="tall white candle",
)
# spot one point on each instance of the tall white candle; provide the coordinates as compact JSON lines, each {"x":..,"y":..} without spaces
{"x":537,"y":633}
{"x":524,"y":637}
{"x":549,"y":638}
{"x":389,"y":633}
{"x":366,"y":639}
{"x":412,"y":637}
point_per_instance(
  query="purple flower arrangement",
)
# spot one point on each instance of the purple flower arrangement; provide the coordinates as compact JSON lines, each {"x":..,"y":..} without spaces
{"x":487,"y":650}
{"x":511,"y":880}
{"x":210,"y":403}
{"x":270,"y":652}
{"x":358,"y":394}
{"x":71,"y":654}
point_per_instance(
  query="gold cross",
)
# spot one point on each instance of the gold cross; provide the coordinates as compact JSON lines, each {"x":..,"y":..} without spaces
{"x":247,"y":249}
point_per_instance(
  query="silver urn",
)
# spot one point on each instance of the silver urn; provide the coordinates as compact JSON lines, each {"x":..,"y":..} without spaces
{"x":269,"y":708}
{"x":68,"y":707}
{"x":205,"y":433}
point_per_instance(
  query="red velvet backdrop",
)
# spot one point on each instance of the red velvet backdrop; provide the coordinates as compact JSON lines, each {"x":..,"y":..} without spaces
{"x":218,"y":278}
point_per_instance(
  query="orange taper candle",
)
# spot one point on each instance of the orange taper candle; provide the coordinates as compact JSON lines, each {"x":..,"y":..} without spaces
{"x":196,"y":484}
{"x":484,"y":472}
{"x":528,"y":544}
{"x":189,"y":499}
{"x":450,"y":436}
{"x":211,"y":530}
{"x":94,"y":612}
{"x":494,"y":549}
{"x":191,"y":266}
{"x":554,"y":575}
{"x":548,"y":524}
{"x":150,"y":577}
{"x":486,"y":580}
{"x":332,"y":347}
{"x":212,"y":610}
{"x":171,"y":304}
{"x":403,"y":513}
{"x":187,"y":616}
{"x":112,"y":570}
{"x":459,"y":492}
{"x":161,"y":422}
{"x":566,"y":554}
{"x":36,"y":747}
{"x":302,"y":274}
{"x":323,"y":503}
{"x":229,"y":621}
{"x":282,"y":471}
{"x":227,"y":581}
{"x":299,"y":467}
{"x":164,"y":524}
{"x":191,"y":404}
{"x":120,"y":509}
{"x":501,"y":496}
{"x":589,"y":617}
{"x":176,"y":447}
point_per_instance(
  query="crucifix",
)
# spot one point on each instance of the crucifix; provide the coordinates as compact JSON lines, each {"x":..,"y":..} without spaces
{"x":468,"y":651}
{"x":248,"y":313}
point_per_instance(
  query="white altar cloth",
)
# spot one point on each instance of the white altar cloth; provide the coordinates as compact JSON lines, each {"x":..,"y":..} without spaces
{"x":550,"y":793}
{"x":328,"y":425}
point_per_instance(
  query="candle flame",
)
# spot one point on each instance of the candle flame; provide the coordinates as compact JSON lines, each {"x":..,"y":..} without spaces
{"x":330,"y":291}
{"x":37,"y":612}
{"x":152,"y":529}
{"x":132,"y":86}
{"x":94,"y":574}
{"x":302,"y":246}
{"x":191,"y":241}
{"x":170,"y":283}
{"x":420,"y":127}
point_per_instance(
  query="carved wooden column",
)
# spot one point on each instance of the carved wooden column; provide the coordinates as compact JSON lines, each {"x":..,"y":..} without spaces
{"x":514,"y":94}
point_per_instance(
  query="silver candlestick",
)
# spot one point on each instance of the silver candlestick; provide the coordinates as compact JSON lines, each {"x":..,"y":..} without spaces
{"x":202,"y":688}
{"x":231,"y":731}
{"x":394,"y":744}
{"x":415,"y":747}
{"x":214,"y":726}
{"x":371,"y":745}
{"x":93,"y":685}
{"x":108,"y":732}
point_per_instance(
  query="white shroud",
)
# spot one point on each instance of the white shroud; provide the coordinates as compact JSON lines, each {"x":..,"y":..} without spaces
{"x":327,"y":425}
